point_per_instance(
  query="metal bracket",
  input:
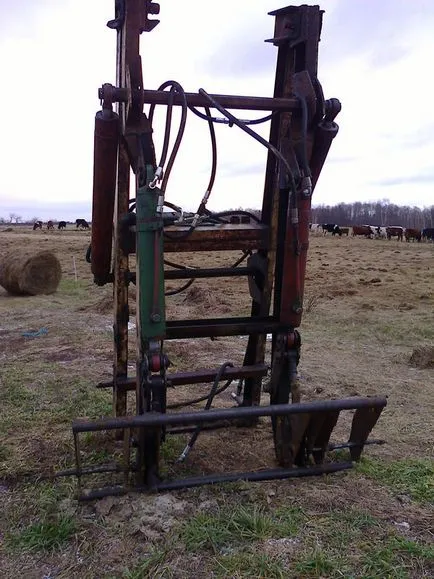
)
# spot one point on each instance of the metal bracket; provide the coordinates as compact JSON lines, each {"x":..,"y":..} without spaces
{"x":291,"y":25}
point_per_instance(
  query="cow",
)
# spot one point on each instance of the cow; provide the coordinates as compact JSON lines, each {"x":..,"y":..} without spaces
{"x":62,"y":225}
{"x":365,"y":230}
{"x":414,"y":234}
{"x":345,"y":231}
{"x":314,"y":227}
{"x":380,"y":232}
{"x":50,"y":225}
{"x":82,"y":223}
{"x":395,"y":231}
{"x":37,"y":225}
{"x":428,"y":233}
{"x":331,"y":228}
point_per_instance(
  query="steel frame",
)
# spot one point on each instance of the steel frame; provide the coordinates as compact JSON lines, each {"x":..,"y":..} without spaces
{"x":302,"y":129}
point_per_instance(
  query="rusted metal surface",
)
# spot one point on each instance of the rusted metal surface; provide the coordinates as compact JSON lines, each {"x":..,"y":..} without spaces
{"x":322,"y":437}
{"x":364,"y":421}
{"x":106,"y":142}
{"x":325,"y":132}
{"x":206,"y":238}
{"x":271,"y":210}
{"x":207,"y":328}
{"x":120,"y":258}
{"x":264,"y":475}
{"x":228,"y":101}
{"x":289,"y":434}
{"x":251,"y":103}
{"x":120,"y":270}
{"x":157,"y":420}
{"x":209,"y":272}
{"x":198,"y":376}
{"x":296,"y":236}
{"x":225,"y":237}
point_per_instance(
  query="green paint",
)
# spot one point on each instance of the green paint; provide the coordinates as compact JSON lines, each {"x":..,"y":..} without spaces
{"x":151,"y":316}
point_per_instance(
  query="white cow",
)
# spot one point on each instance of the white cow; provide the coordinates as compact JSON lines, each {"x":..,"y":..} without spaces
{"x":381,"y":232}
{"x":314,"y":227}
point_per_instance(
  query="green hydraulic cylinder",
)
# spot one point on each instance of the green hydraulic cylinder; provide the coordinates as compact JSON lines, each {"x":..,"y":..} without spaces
{"x":150,"y":301}
{"x":149,"y":264}
{"x":151,"y":322}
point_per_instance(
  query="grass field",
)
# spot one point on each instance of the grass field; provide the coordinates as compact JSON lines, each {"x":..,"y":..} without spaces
{"x":368,"y":329}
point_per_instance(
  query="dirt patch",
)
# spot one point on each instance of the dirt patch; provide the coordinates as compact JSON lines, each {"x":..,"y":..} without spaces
{"x":206,"y":300}
{"x":422,"y":357}
{"x":61,"y":355}
{"x":102,"y":306}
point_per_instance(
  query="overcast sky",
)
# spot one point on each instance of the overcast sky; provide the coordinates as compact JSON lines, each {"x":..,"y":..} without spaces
{"x":375,"y":56}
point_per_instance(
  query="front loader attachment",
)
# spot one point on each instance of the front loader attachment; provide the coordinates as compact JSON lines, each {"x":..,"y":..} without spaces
{"x":273,"y":244}
{"x":302,"y":442}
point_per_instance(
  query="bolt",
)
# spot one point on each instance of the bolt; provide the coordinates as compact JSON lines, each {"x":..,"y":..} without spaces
{"x":155,"y":318}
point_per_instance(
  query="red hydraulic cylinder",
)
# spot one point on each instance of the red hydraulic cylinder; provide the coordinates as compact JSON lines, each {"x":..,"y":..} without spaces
{"x":295,"y":257}
{"x":297,"y":233}
{"x":106,"y":142}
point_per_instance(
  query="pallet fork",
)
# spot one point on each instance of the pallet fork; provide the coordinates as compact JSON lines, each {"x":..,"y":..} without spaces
{"x":274,"y":246}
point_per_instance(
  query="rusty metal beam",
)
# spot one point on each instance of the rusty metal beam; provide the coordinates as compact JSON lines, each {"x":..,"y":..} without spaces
{"x":225,"y":237}
{"x":120,"y":259}
{"x":157,"y":420}
{"x":197,"y":376}
{"x":263,"y":475}
{"x":251,"y":103}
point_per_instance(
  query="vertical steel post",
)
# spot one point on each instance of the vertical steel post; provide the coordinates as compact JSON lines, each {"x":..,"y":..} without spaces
{"x":120,"y":262}
{"x":296,"y":33}
{"x":273,"y":207}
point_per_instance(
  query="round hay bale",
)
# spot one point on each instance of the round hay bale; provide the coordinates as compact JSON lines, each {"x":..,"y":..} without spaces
{"x":29,"y":273}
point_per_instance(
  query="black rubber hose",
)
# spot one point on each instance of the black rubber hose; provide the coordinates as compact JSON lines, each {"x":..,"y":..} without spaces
{"x":201,"y":398}
{"x":237,"y":212}
{"x":304,"y":119}
{"x":209,"y":401}
{"x":181,"y":289}
{"x":175,"y":87}
{"x":225,"y":121}
{"x":252,"y":133}
{"x":202,"y":209}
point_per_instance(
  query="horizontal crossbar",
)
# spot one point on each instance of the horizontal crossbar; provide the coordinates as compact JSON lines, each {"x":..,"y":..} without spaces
{"x":195,"y":377}
{"x":157,"y":420}
{"x":271,"y":474}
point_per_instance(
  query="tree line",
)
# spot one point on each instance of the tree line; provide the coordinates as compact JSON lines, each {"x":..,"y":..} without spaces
{"x":378,"y":213}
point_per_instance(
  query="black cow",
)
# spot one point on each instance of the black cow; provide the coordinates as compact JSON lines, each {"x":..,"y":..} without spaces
{"x":428,"y":233}
{"x":82,"y":223}
{"x":331,"y":228}
{"x":37,"y":225}
{"x":62,"y":225}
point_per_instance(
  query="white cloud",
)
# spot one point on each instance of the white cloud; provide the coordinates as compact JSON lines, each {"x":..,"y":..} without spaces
{"x":54,"y":62}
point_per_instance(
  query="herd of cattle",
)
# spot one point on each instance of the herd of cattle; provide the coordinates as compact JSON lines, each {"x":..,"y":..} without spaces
{"x":79,"y":224}
{"x":371,"y":231}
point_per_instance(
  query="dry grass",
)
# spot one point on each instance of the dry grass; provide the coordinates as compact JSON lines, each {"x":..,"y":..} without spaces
{"x":368,"y":329}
